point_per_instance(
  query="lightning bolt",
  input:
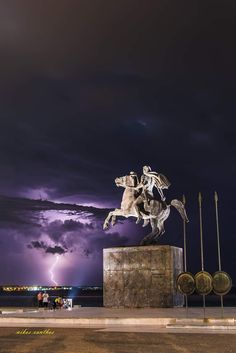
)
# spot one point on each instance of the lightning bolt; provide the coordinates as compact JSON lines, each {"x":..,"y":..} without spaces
{"x":52,"y":269}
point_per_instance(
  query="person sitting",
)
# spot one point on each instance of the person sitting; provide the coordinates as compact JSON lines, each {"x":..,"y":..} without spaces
{"x":57,"y":303}
{"x":60,"y":302}
{"x":54,"y":304}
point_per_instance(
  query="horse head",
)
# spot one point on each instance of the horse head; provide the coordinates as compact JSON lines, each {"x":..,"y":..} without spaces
{"x":125,"y":181}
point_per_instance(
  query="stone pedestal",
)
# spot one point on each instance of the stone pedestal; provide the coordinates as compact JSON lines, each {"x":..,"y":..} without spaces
{"x":142,"y":276}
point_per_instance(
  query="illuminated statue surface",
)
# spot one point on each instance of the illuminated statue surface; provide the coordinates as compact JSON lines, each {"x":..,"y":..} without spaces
{"x":139,"y":201}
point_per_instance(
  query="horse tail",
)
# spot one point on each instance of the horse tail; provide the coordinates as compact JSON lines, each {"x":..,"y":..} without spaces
{"x":180,"y":208}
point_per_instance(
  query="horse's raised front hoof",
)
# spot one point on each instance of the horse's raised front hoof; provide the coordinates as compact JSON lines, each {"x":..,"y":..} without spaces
{"x":105,"y":226}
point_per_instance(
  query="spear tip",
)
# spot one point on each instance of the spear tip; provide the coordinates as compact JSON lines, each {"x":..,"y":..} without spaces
{"x":200,"y":196}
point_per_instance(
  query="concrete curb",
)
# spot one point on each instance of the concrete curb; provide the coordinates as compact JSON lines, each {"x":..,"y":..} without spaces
{"x":191,"y":323}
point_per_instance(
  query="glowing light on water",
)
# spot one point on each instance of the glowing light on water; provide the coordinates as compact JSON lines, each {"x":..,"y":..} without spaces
{"x":51,"y":271}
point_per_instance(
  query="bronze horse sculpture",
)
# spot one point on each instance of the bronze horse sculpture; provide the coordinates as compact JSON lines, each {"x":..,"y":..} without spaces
{"x":151,"y":211}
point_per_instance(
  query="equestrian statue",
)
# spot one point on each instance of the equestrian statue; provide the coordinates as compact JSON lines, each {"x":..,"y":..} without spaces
{"x":139,"y":201}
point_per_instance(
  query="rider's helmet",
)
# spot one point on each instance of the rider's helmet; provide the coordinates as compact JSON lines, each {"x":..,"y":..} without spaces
{"x":146,"y":169}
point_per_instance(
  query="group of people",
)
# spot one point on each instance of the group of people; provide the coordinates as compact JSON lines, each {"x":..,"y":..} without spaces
{"x":44,"y":301}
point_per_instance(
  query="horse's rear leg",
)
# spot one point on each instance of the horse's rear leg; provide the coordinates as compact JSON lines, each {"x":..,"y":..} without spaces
{"x":161,"y":221}
{"x":149,"y":239}
{"x":146,"y":222}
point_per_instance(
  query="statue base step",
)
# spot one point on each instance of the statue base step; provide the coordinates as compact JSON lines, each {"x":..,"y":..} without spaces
{"x":142,"y":276}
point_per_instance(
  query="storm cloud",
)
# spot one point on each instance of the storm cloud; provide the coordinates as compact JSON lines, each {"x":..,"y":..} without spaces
{"x":56,"y":249}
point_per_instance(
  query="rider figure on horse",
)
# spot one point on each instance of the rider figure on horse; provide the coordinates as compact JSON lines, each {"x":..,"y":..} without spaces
{"x":139,"y":201}
{"x":148,"y":181}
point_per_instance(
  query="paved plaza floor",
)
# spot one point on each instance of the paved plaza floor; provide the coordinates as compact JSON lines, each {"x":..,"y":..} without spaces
{"x":104,"y":330}
{"x":82,"y":340}
{"x":145,"y":319}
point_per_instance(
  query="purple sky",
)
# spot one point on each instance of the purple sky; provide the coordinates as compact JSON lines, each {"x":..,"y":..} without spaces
{"x":34,"y":237}
{"x":92,"y":90}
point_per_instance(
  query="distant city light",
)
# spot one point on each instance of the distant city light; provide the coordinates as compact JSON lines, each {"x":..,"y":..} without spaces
{"x":34,"y":288}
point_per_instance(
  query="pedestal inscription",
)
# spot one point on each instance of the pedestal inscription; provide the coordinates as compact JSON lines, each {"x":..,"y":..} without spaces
{"x":143,"y":276}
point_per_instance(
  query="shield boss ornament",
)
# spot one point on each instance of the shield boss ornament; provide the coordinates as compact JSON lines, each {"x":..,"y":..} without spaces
{"x":185,"y":283}
{"x":203,"y":282}
{"x":221,"y":282}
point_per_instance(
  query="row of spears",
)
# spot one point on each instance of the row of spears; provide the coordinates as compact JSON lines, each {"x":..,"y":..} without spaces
{"x":203,"y":282}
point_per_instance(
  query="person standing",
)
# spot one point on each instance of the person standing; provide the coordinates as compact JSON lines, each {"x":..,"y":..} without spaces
{"x":40,"y":299}
{"x":45,"y":299}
